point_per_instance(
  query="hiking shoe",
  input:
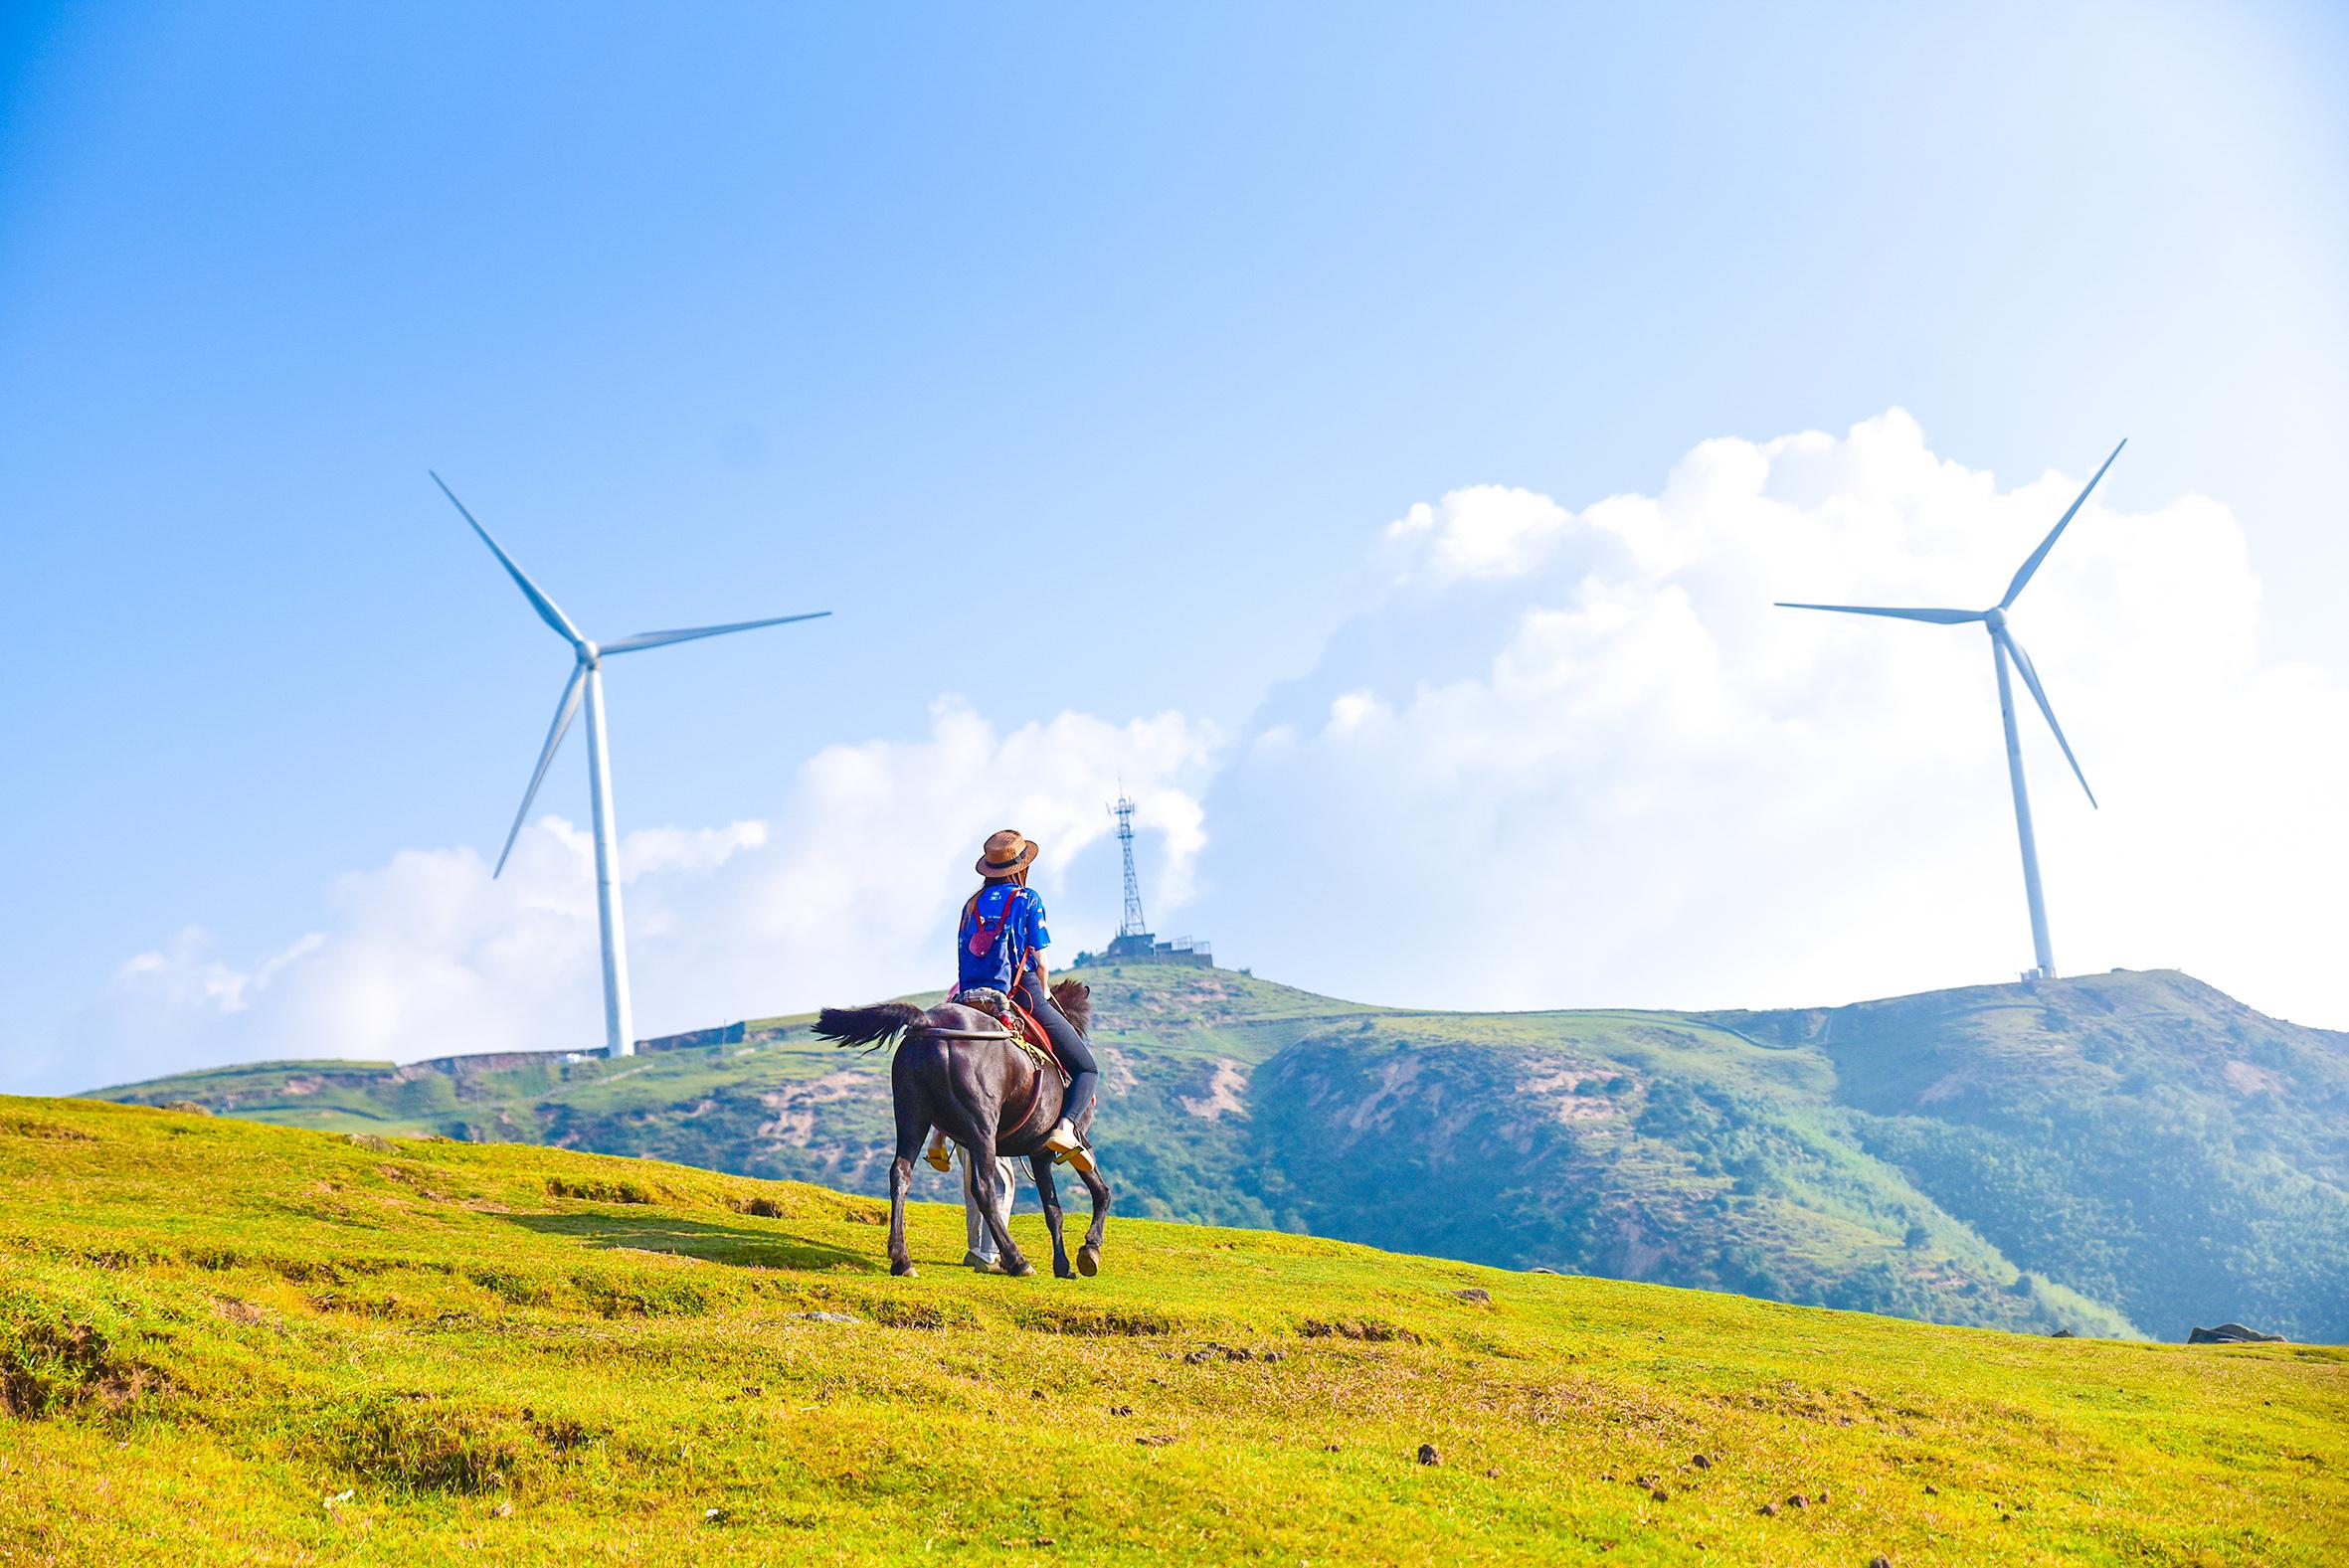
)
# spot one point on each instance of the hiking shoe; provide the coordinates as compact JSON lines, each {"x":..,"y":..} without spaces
{"x":939,"y":1157}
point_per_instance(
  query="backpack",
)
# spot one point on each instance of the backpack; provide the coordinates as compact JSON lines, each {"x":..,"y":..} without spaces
{"x":987,"y":935}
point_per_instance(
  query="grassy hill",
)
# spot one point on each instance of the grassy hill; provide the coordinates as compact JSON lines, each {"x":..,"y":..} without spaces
{"x":2118,"y":1153}
{"x":223,"y":1342}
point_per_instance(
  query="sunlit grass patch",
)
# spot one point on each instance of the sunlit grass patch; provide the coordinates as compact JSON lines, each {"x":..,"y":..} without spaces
{"x":229,"y":1343}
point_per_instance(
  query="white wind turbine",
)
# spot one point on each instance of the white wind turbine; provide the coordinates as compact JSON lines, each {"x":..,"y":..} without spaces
{"x":2004,"y":648}
{"x":587,"y":672}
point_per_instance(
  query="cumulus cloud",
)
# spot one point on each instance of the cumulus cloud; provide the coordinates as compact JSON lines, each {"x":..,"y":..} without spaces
{"x":1575,"y":758}
{"x":1570,"y":757}
{"x":1486,"y":530}
{"x":846,"y":893}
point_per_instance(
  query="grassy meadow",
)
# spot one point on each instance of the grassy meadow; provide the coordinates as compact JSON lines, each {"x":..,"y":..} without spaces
{"x":224,"y":1341}
{"x":2123,"y":1155}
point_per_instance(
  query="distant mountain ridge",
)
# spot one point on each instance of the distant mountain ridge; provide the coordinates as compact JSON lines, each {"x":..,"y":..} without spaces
{"x":2113,"y":1153}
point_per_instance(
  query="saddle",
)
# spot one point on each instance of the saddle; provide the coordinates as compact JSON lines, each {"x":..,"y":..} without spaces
{"x":1025,"y":1032}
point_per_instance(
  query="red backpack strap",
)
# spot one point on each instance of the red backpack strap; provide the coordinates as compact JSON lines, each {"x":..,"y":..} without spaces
{"x":991,"y":933}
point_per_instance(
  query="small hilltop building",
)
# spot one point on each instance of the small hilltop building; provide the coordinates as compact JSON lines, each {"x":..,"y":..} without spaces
{"x":1134,"y":943}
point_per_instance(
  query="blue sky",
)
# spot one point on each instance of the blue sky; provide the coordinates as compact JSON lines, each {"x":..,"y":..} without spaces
{"x":1078,"y":363}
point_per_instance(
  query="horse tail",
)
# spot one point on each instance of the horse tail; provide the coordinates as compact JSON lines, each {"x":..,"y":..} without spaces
{"x":871,"y":1027}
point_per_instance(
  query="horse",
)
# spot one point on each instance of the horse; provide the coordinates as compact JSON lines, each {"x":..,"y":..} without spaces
{"x":959,"y":1069}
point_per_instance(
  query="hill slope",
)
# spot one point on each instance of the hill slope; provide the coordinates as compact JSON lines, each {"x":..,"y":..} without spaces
{"x":222,"y":1341}
{"x":2108,"y":1153}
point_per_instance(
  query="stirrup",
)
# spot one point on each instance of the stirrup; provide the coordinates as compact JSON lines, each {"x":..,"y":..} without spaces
{"x":940,"y":1156}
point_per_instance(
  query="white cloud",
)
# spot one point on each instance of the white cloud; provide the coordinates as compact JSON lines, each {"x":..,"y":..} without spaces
{"x":1637,"y":782}
{"x":1574,"y":758}
{"x":1484,"y":531}
{"x":847,"y":893}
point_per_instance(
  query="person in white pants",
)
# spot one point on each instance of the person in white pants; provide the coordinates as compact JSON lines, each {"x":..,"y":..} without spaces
{"x":982,"y":1253}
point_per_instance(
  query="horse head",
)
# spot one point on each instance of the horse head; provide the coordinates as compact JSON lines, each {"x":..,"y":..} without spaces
{"x":1074,"y":999}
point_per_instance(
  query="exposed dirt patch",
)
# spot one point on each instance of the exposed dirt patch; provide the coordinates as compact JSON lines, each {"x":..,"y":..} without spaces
{"x":891,"y":1313}
{"x":563,"y":1434}
{"x":50,"y":1365}
{"x":52,"y":1131}
{"x":1574,"y":1096}
{"x":414,"y":1442}
{"x":1369,"y":1331}
{"x":1224,"y":1096}
{"x":794,"y":1107}
{"x":601,"y":1190}
{"x":241,"y":1312}
{"x":1093,"y":1321}
{"x":2244,"y":1079}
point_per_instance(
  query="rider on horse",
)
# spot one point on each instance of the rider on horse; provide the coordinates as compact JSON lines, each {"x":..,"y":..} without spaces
{"x":1000,"y":947}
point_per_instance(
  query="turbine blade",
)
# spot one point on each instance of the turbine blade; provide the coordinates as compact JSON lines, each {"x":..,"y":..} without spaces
{"x":2023,"y":575}
{"x":2038,"y":694}
{"x":554,"y":738}
{"x":659,"y":639}
{"x":538,"y":600}
{"x":1942,"y":617}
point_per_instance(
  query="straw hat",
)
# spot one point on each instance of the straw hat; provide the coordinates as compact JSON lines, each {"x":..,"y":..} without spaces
{"x":1007,"y":854}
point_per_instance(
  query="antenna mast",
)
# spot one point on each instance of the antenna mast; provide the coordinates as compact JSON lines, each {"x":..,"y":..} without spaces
{"x":1132,"y":924}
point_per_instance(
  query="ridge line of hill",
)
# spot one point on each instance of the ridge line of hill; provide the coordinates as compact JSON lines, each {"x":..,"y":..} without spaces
{"x":2131,"y":1153}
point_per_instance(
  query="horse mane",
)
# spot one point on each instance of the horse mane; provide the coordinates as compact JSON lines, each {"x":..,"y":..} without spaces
{"x":1074,"y":999}
{"x":871,"y":1027}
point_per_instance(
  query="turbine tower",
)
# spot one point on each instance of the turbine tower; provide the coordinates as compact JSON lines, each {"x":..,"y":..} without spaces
{"x":587,"y":673}
{"x":2003,"y":649}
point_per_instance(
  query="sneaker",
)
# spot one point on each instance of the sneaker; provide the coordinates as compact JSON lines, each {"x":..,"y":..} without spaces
{"x":1064,"y":1139}
{"x":939,"y":1157}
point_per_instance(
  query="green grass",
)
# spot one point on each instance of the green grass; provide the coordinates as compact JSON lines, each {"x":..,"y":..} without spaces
{"x":226,"y":1341}
{"x":2117,"y":1154}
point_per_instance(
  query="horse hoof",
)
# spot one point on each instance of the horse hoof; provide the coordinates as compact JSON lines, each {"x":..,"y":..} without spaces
{"x":1020,"y":1269}
{"x":904,"y":1270}
{"x":1061,"y":1270}
{"x":1088,"y":1261}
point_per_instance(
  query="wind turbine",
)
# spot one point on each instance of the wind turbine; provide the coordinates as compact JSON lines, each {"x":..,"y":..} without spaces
{"x":587,"y":672}
{"x":2004,"y":648}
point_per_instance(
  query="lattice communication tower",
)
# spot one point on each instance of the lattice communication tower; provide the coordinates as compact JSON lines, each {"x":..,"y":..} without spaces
{"x":1133,"y":925}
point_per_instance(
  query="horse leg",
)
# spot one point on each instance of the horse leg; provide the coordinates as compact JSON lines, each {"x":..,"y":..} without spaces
{"x":901,"y":1176}
{"x":912,"y":1127}
{"x":987,"y":1176}
{"x":978,"y":1250}
{"x":1089,"y":1254}
{"x":1041,"y":1165}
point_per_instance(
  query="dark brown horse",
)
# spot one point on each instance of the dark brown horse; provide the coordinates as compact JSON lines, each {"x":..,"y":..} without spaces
{"x":957,"y":1070}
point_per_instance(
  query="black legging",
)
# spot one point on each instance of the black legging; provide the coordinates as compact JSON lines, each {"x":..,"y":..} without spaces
{"x":1068,"y":1044}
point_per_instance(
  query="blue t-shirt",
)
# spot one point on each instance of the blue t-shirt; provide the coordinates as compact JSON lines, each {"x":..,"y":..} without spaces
{"x":1023,"y":932}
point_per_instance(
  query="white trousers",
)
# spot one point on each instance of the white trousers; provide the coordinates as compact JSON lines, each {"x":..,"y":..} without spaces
{"x":983,"y":1239}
